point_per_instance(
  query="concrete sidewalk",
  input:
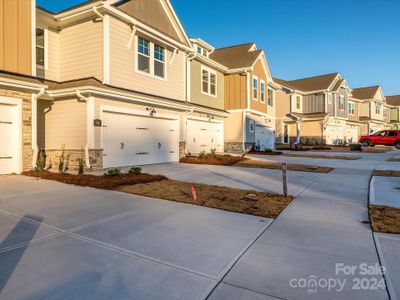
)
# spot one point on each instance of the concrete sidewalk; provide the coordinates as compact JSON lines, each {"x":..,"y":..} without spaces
{"x":385,"y":191}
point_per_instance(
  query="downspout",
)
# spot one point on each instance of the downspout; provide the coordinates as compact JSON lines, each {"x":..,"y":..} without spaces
{"x":35,"y":147}
{"x":87,"y":156}
{"x":186,"y":128}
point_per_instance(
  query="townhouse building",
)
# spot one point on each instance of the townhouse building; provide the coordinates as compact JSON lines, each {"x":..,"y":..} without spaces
{"x":105,"y":81}
{"x":249,"y":97}
{"x":322,"y":108}
{"x":373,"y":111}
{"x":393,"y":103}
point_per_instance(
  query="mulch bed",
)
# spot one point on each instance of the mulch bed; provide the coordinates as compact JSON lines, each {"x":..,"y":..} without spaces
{"x":394,"y":159}
{"x":221,"y":160}
{"x":334,"y":149}
{"x":384,"y":219}
{"x":264,"y":164}
{"x":326,"y":156}
{"x":266,"y":152}
{"x":386,"y":173}
{"x":101,"y":182}
{"x":234,"y":200}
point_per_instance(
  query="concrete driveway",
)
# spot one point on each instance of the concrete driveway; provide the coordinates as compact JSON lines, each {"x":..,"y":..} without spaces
{"x":59,"y":241}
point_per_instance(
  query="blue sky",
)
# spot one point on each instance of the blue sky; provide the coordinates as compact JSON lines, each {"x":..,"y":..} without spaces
{"x":358,"y":38}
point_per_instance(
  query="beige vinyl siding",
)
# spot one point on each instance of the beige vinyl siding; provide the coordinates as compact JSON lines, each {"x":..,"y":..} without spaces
{"x":354,"y":117}
{"x":364,"y":109}
{"x":123,"y":70}
{"x":196,"y":84}
{"x":235,"y":91}
{"x":53,"y":57}
{"x":81,"y":51}
{"x":234,"y":127}
{"x":62,"y":122}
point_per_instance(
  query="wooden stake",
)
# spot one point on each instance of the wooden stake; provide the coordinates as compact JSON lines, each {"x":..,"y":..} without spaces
{"x":284,"y":178}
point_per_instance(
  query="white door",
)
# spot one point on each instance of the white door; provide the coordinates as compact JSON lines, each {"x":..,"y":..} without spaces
{"x":352,"y":135}
{"x":135,"y":140}
{"x":264,"y":137}
{"x":334,"y":135}
{"x":204,"y":136}
{"x":8,"y":139}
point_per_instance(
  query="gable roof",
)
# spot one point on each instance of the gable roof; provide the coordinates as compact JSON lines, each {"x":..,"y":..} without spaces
{"x":158,"y":14}
{"x":310,"y":84}
{"x":235,"y":57}
{"x":393,"y":100}
{"x":284,"y":83}
{"x":364,"y":93}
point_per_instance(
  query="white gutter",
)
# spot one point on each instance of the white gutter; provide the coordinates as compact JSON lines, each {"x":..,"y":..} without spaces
{"x":88,"y":101}
{"x":35,"y":147}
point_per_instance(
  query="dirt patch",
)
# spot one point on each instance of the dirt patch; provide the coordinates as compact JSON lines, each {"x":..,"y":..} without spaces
{"x":101,"y":182}
{"x":266,"y":152}
{"x":222,"y":160}
{"x":384,"y":219}
{"x":235,"y":200}
{"x":265,"y":164}
{"x":394,"y":159}
{"x":376,"y":149}
{"x":386,"y":173}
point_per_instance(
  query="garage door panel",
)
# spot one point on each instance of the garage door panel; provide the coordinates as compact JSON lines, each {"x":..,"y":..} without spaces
{"x":139,"y":140}
{"x":8,"y":139}
{"x":264,"y":137}
{"x":205,"y":136}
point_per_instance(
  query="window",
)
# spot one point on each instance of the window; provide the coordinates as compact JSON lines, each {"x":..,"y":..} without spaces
{"x":208,"y":82}
{"x":385,"y":113}
{"x":255,"y":88}
{"x":298,"y":102}
{"x":40,"y":48}
{"x":391,"y":133}
{"x":251,"y":126}
{"x":262,"y":91}
{"x":341,"y":102}
{"x":159,"y":61}
{"x":202,"y":51}
{"x":205,"y":53}
{"x":143,"y":55}
{"x":199,"y":50}
{"x":270,"y":97}
{"x":351,"y":108}
{"x":329,"y":98}
{"x":377,"y":108}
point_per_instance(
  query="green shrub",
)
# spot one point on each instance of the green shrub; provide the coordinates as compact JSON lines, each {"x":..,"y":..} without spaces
{"x":40,"y":164}
{"x":355,"y":147}
{"x":213,"y":152}
{"x":202,"y":154}
{"x":81,"y":168}
{"x":135,"y":170}
{"x":113,"y":172}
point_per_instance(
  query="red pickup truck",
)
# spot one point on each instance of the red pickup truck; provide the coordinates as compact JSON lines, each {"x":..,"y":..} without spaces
{"x":384,"y":137}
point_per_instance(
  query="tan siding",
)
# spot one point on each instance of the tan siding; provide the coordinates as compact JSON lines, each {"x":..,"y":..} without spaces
{"x":62,"y":122}
{"x":235,"y":91}
{"x":15,"y":36}
{"x":52,"y":72}
{"x":196,"y":83}
{"x":122,"y":67}
{"x":233,"y":126}
{"x":257,"y":104}
{"x":81,"y":51}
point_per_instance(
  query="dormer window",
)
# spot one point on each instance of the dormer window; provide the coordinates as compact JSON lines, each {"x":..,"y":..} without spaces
{"x":202,"y":51}
{"x":199,"y":50}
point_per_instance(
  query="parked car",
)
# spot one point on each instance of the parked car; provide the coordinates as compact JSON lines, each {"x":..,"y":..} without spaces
{"x":384,"y":137}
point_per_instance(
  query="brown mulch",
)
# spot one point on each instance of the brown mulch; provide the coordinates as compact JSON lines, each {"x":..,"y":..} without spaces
{"x":225,"y":198}
{"x":222,"y":160}
{"x":265,"y":164}
{"x":326,"y":156}
{"x":101,"y":182}
{"x":386,"y":173}
{"x":266,"y":152}
{"x":384,"y":219}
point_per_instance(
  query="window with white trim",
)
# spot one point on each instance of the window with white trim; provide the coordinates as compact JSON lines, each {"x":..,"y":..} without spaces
{"x":378,"y":107}
{"x":329,"y":98}
{"x":40,"y":48}
{"x":159,"y":61}
{"x":208,"y":82}
{"x":341,"y":102}
{"x":298,"y":102}
{"x":251,"y":126}
{"x":270,"y":97}
{"x":385,"y":112}
{"x":143,"y":55}
{"x":255,"y":88}
{"x":262,"y":91}
{"x":351,"y":110}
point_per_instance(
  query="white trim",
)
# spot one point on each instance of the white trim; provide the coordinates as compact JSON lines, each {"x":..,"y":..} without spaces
{"x":283,"y":133}
{"x":210,"y":71}
{"x":187,"y":76}
{"x":348,"y":108}
{"x":262,"y":82}
{"x":45,"y":48}
{"x":252,"y":87}
{"x":249,"y":88}
{"x":106,"y":49}
{"x":17,"y":102}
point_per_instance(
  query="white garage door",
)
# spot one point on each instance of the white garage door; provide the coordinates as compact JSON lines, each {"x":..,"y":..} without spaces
{"x":204,"y":136}
{"x":352,"y":135}
{"x":334,"y":135}
{"x":135,"y":140}
{"x":264,"y":137}
{"x":8,"y":139}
